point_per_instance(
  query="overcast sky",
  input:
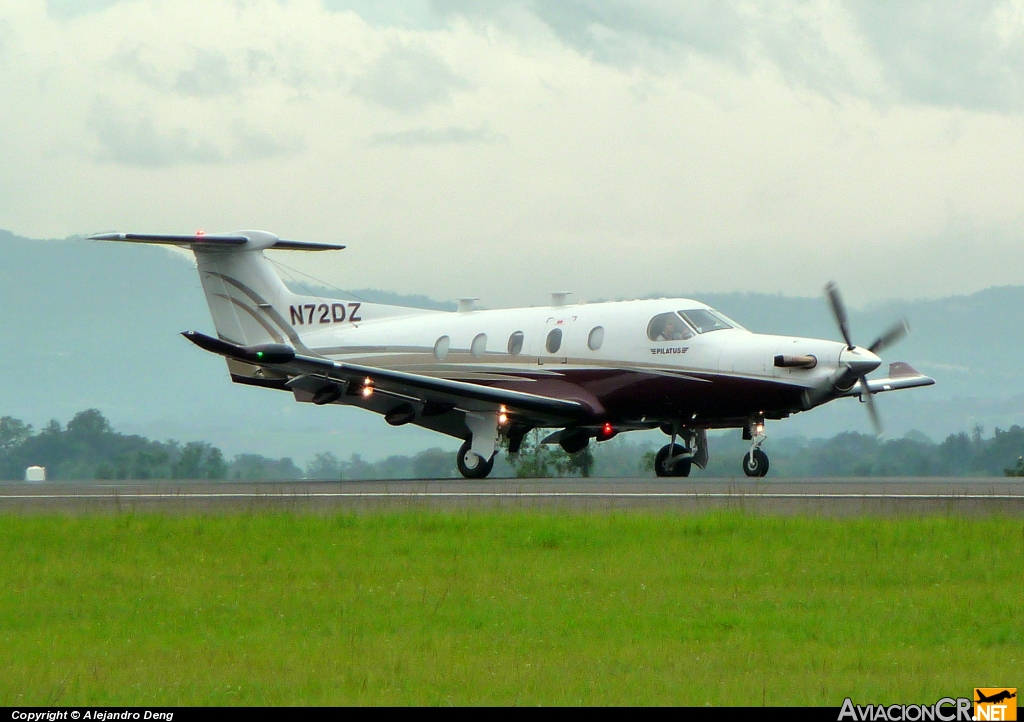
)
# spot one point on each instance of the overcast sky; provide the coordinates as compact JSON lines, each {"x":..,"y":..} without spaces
{"x":506,"y":149}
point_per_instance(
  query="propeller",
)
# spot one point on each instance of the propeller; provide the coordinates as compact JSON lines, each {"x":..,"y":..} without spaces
{"x":851,"y":371}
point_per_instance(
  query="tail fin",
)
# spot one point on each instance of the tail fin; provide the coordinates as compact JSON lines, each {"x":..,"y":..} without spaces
{"x":247,"y":299}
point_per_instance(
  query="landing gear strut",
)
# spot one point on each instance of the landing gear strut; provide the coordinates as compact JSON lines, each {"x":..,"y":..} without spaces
{"x":472,"y":465}
{"x":755,"y":461}
{"x":673,"y":460}
{"x":676,"y":460}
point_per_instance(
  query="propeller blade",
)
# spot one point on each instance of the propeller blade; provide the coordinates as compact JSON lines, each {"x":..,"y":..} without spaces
{"x":872,"y":409}
{"x":839,"y":311}
{"x":893,"y":334}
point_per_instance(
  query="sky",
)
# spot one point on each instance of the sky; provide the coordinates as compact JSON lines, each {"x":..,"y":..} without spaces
{"x":511,"y":148}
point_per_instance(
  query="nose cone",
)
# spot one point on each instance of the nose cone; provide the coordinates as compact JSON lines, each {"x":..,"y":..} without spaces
{"x":860,"y":360}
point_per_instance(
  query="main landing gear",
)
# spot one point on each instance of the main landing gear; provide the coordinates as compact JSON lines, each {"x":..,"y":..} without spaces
{"x":676,"y":460}
{"x":673,"y":460}
{"x":476,"y":455}
{"x":472,"y":465}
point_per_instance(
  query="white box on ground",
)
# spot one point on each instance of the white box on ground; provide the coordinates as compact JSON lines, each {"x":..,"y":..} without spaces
{"x":35,"y":473}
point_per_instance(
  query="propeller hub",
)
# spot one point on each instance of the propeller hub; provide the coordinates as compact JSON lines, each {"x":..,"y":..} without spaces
{"x":860,"y":361}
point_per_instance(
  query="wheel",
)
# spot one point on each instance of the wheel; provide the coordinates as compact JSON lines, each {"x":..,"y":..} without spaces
{"x":755,"y":464}
{"x":663,"y":468}
{"x":471,"y":465}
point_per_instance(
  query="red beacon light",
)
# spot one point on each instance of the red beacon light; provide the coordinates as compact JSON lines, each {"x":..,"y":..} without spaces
{"x":607,"y":431}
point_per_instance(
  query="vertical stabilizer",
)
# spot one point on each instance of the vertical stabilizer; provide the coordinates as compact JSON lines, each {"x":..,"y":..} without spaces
{"x":247,"y":299}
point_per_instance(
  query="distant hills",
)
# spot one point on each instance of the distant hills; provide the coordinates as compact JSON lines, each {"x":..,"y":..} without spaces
{"x":89,"y":324}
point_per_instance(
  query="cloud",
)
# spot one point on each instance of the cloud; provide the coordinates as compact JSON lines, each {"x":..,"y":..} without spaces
{"x":437,"y":136}
{"x":252,"y":144}
{"x":67,"y":9}
{"x":949,"y":54}
{"x":408,"y":79}
{"x":411,"y":14}
{"x":209,"y":76}
{"x":140,"y":143}
{"x":943,"y":54}
{"x":621,"y":32}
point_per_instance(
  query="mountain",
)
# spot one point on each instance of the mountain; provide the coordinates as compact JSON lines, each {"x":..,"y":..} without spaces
{"x":95,"y":325}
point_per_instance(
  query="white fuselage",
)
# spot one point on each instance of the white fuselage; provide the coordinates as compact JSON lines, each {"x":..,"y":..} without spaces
{"x":627,"y":365}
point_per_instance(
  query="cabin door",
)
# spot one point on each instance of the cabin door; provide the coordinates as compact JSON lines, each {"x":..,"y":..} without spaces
{"x":557,"y":337}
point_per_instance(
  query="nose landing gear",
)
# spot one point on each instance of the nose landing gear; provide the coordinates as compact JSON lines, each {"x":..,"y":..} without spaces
{"x":755,"y":461}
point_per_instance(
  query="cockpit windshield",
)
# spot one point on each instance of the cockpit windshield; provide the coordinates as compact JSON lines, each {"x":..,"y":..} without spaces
{"x":705,"y":320}
{"x":668,"y":327}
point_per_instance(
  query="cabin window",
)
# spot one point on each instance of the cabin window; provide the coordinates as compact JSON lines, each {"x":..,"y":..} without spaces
{"x":705,"y":320}
{"x":554,"y":340}
{"x":596,"y":338}
{"x":515,"y":343}
{"x":668,"y":327}
{"x":441,"y":348}
{"x":479,"y":345}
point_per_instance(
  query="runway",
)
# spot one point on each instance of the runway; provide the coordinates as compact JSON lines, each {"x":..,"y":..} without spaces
{"x":831,"y":497}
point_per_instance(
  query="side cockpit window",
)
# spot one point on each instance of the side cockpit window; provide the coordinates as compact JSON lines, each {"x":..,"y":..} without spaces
{"x":668,"y":327}
{"x":705,"y":320}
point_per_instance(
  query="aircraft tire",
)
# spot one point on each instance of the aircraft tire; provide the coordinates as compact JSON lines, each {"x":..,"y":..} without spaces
{"x":755,"y":464}
{"x":680,"y":468}
{"x":469,"y":470}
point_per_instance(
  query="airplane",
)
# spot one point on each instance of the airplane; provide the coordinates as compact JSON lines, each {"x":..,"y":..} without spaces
{"x":584,"y":371}
{"x":996,"y":698}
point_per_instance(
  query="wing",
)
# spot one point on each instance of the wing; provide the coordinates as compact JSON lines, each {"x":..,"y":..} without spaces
{"x":385,"y":390}
{"x":901,"y":376}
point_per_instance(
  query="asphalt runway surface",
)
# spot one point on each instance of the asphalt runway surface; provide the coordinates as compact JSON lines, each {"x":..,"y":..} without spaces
{"x":831,"y":497}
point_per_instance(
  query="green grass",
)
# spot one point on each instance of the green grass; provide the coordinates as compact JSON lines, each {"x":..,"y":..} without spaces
{"x":506,"y":608}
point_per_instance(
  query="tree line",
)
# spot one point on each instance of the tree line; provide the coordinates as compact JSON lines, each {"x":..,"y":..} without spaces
{"x":87,"y":447}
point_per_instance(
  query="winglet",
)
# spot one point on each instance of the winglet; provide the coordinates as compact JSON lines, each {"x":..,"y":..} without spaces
{"x":899,"y":369}
{"x":264,"y":354}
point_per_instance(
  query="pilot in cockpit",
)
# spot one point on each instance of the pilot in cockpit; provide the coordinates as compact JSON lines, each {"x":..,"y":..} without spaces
{"x":672,"y":330}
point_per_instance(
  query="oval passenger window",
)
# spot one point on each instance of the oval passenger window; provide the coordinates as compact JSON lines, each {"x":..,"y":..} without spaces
{"x":515,"y":343}
{"x":441,"y":348}
{"x":596,"y":338}
{"x":554,"y":341}
{"x":479,"y":345}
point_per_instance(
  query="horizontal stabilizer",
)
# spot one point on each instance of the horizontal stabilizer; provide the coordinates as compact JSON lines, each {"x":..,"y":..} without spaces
{"x":246,"y":240}
{"x":284,"y":245}
{"x":170,"y":240}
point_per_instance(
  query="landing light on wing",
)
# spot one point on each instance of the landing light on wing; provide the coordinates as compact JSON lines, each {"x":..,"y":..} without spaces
{"x":367,"y":388}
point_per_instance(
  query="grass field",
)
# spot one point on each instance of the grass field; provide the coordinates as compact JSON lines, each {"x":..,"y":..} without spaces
{"x":506,"y":608}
